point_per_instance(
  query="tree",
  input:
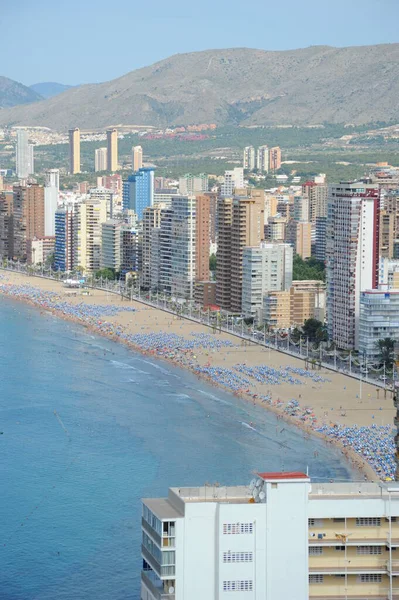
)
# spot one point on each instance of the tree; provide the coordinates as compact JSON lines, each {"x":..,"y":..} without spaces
{"x":314,"y":330}
{"x":310,"y":268}
{"x":386,"y":352}
{"x":212,"y":262}
{"x":106,"y":273}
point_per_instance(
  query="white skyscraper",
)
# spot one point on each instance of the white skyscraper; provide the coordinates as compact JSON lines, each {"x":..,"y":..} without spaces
{"x":352,"y":256}
{"x":262,"y":159}
{"x":232,"y":179}
{"x":265,"y":268}
{"x":249,"y":162}
{"x":137,"y":158}
{"x":50,"y":206}
{"x":53,"y":178}
{"x":183,"y":247}
{"x":24,"y":155}
{"x":100,"y":159}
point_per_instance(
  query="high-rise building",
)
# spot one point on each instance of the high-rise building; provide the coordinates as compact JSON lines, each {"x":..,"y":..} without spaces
{"x":301,"y":208}
{"x":161,"y":253}
{"x":267,"y":267}
{"x":321,"y":234}
{"x":138,"y":191}
{"x":240,"y":222}
{"x":29,"y":216}
{"x":63,"y":251}
{"x":74,"y":150}
{"x":52,"y":178}
{"x":88,"y":218}
{"x":24,"y":155}
{"x":205,"y":233}
{"x":352,"y":256}
{"x":274,"y":159}
{"x":342,"y":540}
{"x":137,"y":158}
{"x":316,"y":193}
{"x":6,"y":225}
{"x":379,"y":319}
{"x":112,"y":150}
{"x":249,"y":161}
{"x":38,"y":250}
{"x":151,"y":221}
{"x":104,"y":194}
{"x":189,"y":185}
{"x":232,"y":180}
{"x":275,"y":230}
{"x":131,"y":250}
{"x":262,"y":159}
{"x":100,"y":159}
{"x":183,"y":248}
{"x":111,"y":255}
{"x":299,"y":235}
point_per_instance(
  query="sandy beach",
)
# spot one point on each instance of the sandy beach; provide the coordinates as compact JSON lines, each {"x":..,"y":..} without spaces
{"x":313,"y":400}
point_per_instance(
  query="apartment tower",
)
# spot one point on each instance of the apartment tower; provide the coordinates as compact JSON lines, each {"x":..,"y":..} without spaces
{"x":274,"y":158}
{"x":74,"y":150}
{"x":100,"y":159}
{"x":352,"y":256}
{"x":137,"y":158}
{"x":205,"y":215}
{"x":112,"y":150}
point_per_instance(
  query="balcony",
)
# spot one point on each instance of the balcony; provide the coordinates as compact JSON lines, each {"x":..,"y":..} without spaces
{"x":155,"y":586}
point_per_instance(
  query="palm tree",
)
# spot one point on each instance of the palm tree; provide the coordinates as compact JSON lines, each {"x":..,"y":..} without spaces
{"x":386,"y":352}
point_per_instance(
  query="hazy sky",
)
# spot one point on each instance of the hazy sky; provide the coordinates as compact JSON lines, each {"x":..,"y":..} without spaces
{"x":82,"y":41}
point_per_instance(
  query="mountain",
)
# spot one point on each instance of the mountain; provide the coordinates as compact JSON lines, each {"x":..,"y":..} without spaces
{"x":13,"y":93}
{"x":49,"y":89}
{"x":234,"y":86}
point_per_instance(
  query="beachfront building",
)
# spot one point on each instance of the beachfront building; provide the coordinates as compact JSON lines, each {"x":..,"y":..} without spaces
{"x":379,"y":319}
{"x":151,"y":221}
{"x":240,"y":224}
{"x":282,"y":537}
{"x":88,"y":218}
{"x":6,"y":225}
{"x":28,"y":216}
{"x":267,"y":267}
{"x":205,"y":233}
{"x":286,"y":309}
{"x":131,"y":250}
{"x":111,"y":255}
{"x":351,"y":256}
{"x":183,"y":233}
{"x":189,"y":185}
{"x":63,"y":249}
{"x":138,"y":191}
{"x":39,"y":250}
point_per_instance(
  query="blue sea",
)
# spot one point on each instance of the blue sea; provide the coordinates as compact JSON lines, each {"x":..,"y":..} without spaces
{"x":88,"y":429}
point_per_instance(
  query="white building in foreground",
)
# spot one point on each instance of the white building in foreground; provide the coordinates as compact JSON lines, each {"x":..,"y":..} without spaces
{"x":281,"y":538}
{"x":379,"y":319}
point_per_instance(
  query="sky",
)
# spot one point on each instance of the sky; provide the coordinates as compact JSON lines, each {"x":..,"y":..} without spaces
{"x":88,"y":41}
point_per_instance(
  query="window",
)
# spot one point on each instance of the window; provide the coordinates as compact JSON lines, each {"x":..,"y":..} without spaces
{"x":340,"y":548}
{"x":236,"y":557}
{"x":339,"y":520}
{"x":315,"y":550}
{"x":238,"y":586}
{"x":316,"y":578}
{"x":368,"y":550}
{"x":237,"y":528}
{"x":370,"y":578}
{"x":368,"y":522}
{"x":315,"y":522}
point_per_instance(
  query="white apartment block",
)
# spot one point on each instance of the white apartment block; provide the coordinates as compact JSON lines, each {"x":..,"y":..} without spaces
{"x":100,"y":159}
{"x":388,"y":272}
{"x":379,"y":319}
{"x":249,"y":158}
{"x":266,"y":268}
{"x":280,"y":538}
{"x":352,"y":245}
{"x":111,"y":250}
{"x":24,"y":155}
{"x":301,"y":208}
{"x":262,"y":159}
{"x":232,"y":179}
{"x":87,"y":221}
{"x":193,"y":184}
{"x":183,"y":247}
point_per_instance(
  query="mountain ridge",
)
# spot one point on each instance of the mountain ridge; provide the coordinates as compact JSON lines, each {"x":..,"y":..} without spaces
{"x":48,"y":89}
{"x":13,"y":93}
{"x":240,"y":86}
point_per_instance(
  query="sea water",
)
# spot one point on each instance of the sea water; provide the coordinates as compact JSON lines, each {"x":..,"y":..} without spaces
{"x":88,"y":429}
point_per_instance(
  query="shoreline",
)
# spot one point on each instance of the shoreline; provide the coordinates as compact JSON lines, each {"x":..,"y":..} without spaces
{"x":182,"y":360}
